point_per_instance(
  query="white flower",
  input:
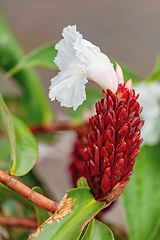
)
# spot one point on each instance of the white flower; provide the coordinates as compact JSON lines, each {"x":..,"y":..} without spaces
{"x":79,"y":61}
{"x":149,"y":98}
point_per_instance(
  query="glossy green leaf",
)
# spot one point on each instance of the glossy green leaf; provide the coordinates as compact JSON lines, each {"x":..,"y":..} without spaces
{"x":97,"y":231}
{"x":22,"y":144}
{"x":6,"y":125}
{"x":155,"y":74}
{"x":82,"y":182}
{"x":26,"y":149}
{"x":42,"y":56}
{"x":69,"y":227}
{"x":4,"y":155}
{"x":41,"y":214}
{"x":36,"y":108}
{"x":141,"y":198}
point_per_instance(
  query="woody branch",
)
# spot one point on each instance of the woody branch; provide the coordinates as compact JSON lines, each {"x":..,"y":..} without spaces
{"x":27,"y":192}
{"x":55,"y":126}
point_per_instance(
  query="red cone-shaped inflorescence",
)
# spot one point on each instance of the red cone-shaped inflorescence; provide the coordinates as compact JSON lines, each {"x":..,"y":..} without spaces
{"x":78,"y":167}
{"x":113,"y":141}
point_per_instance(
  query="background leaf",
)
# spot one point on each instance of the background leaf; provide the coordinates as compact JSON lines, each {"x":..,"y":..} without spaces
{"x":141,"y":198}
{"x":84,"y":206}
{"x":41,"y":214}
{"x":42,"y":56}
{"x":156,"y":232}
{"x":6,"y":125}
{"x":6,"y":193}
{"x":97,"y":231}
{"x":4,"y":155}
{"x":155,"y":74}
{"x":26,"y":149}
{"x":36,"y":108}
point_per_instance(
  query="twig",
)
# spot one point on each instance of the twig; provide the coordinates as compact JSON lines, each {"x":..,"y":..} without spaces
{"x":27,"y":192}
{"x":55,"y":126}
{"x":52,"y":127}
{"x":18,"y":221}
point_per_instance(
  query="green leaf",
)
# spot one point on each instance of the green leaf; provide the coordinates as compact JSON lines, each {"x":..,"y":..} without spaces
{"x":69,"y":226}
{"x":156,"y":232}
{"x":7,"y":126}
{"x":97,"y":231}
{"x":155,"y":74}
{"x":4,"y":155}
{"x":36,"y":108}
{"x":82,"y":182}
{"x":141,"y":198}
{"x":41,"y":214}
{"x":26,"y":149}
{"x":42,"y":56}
{"x":10,"y":52}
{"x":7,"y":193}
{"x":22,"y":144}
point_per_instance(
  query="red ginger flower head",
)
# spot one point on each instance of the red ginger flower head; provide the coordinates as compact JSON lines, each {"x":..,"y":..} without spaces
{"x":107,"y":158}
{"x":113,"y":142}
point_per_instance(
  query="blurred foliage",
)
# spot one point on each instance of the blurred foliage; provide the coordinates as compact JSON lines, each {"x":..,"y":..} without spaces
{"x":42,"y":56}
{"x":41,"y":214}
{"x":141,"y":199}
{"x":33,"y":105}
{"x":18,"y":153}
{"x":155,"y":74}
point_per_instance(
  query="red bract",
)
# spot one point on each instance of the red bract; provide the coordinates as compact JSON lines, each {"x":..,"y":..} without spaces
{"x":77,"y":167}
{"x":113,"y":142}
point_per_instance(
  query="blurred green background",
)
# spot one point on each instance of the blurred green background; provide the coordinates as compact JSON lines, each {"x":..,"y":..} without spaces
{"x":125,"y":30}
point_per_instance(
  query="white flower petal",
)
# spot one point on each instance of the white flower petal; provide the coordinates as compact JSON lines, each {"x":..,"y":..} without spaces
{"x":98,"y":66}
{"x":66,"y":52}
{"x":79,"y":60}
{"x":69,"y":88}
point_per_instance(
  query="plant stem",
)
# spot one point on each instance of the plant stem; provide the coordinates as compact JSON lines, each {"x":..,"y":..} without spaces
{"x":18,"y":221}
{"x":55,"y":126}
{"x":27,"y":192}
